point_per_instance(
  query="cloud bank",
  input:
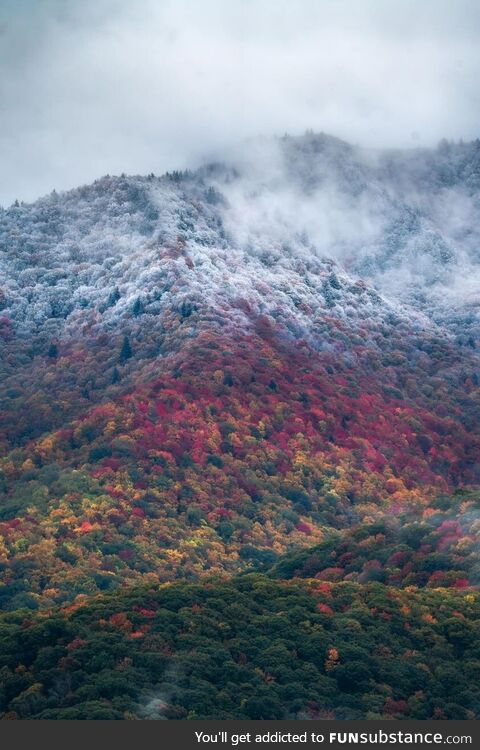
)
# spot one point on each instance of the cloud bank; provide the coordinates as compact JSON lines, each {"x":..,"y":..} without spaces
{"x":109,"y":87}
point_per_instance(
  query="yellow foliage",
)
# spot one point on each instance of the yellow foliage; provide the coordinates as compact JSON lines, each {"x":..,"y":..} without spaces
{"x":28,"y":465}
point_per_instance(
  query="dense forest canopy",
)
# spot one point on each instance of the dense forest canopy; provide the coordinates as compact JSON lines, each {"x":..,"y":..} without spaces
{"x":239,"y":429}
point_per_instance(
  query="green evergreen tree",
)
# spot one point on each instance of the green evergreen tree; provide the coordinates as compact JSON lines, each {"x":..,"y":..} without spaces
{"x":138,"y":307}
{"x":125,"y":351}
{"x":113,"y":297}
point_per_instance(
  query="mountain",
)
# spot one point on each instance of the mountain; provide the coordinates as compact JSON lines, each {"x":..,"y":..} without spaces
{"x":260,"y":373}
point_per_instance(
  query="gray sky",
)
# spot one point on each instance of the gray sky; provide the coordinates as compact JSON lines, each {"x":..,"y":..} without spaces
{"x":89,"y":88}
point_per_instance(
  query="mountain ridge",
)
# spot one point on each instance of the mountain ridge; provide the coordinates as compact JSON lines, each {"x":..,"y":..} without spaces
{"x":264,"y":366}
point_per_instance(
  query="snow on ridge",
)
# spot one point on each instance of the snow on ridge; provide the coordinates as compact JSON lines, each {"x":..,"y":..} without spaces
{"x":285,"y":233}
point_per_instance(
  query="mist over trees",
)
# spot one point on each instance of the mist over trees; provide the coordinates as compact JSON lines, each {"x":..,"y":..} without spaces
{"x":239,"y":430}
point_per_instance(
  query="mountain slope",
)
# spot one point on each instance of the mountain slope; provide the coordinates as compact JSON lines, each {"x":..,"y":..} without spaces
{"x":268,"y":363}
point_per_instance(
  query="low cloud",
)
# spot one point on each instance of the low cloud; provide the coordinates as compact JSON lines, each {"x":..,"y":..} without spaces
{"x":89,"y":89}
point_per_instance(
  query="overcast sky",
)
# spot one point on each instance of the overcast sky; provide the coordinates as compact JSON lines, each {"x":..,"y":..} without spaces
{"x":109,"y":86}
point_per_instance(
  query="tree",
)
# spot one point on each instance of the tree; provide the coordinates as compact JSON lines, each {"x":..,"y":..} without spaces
{"x":113,"y":297}
{"x":138,"y":307}
{"x":125,"y":351}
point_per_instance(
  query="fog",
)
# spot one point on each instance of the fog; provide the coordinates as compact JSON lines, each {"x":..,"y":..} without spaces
{"x":107,"y":87}
{"x":405,"y":221}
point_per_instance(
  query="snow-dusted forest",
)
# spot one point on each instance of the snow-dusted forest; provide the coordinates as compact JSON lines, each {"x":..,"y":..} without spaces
{"x":287,"y":225}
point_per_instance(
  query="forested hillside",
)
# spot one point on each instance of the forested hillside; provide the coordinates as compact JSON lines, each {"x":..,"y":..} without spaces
{"x":239,"y":421}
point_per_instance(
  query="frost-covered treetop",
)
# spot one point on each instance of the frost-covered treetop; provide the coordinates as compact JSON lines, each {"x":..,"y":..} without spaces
{"x":285,"y":228}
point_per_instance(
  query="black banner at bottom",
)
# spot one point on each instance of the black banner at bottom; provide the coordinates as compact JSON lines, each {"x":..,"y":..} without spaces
{"x":225,"y":735}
